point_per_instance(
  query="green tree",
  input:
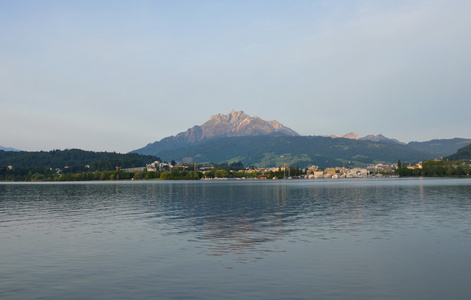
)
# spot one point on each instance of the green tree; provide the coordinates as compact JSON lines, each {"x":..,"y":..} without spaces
{"x":138,"y":175}
{"x":221,"y":174}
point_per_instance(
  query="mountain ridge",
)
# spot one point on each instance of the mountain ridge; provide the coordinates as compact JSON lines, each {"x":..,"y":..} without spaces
{"x":229,"y":132}
{"x":370,"y":137}
{"x":266,"y":151}
{"x":463,"y":153}
{"x":236,"y":123}
{"x":441,"y":147}
{"x":9,"y":149}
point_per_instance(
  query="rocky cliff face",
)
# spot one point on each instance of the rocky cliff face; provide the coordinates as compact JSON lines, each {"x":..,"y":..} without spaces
{"x":236,"y":123}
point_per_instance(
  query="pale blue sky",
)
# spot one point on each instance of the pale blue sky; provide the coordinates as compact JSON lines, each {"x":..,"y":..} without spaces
{"x":116,"y":75}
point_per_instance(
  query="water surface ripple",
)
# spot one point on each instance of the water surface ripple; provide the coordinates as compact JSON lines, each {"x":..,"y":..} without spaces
{"x":294,"y":239}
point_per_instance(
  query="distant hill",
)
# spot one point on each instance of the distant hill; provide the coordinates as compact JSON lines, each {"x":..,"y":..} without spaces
{"x":463,"y":153}
{"x":74,"y":158}
{"x":351,"y":136}
{"x":8,"y":149}
{"x":380,"y":138}
{"x":234,"y":124}
{"x":440,"y":147}
{"x":374,"y":138}
{"x":295,"y":150}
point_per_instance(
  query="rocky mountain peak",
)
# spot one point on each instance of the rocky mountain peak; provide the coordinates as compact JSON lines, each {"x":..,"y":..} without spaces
{"x":352,"y":136}
{"x":234,"y":117}
{"x":238,"y":123}
{"x":234,"y":124}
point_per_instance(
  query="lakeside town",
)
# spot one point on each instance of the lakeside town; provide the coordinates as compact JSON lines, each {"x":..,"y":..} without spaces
{"x":212,"y":172}
{"x":237,"y":171}
{"x":78,"y":165}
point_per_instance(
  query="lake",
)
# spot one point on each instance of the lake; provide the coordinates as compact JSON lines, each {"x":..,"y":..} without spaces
{"x":389,"y":238}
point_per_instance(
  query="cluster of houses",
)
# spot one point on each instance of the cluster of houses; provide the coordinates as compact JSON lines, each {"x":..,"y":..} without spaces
{"x":152,"y":167}
{"x":377,"y":170}
{"x":168,"y":166}
{"x":340,"y":172}
{"x":311,"y":172}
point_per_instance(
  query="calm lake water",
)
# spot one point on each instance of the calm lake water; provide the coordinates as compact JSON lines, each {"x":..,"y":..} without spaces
{"x":294,"y":239}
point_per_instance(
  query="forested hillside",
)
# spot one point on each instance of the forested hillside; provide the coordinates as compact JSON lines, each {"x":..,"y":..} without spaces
{"x":74,"y":159}
{"x":440,"y":147}
{"x":463,"y":153}
{"x":295,"y":150}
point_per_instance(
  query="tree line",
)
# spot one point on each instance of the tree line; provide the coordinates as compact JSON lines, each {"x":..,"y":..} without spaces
{"x":35,"y":174}
{"x":74,"y":174}
{"x":435,"y":168}
{"x":74,"y":160}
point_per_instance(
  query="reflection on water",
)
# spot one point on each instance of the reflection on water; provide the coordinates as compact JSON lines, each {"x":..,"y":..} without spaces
{"x":243,"y":219}
{"x":240,"y":220}
{"x":323,"y":239}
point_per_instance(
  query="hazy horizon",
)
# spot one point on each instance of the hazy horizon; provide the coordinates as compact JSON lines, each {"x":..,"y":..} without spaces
{"x":118,"y":75}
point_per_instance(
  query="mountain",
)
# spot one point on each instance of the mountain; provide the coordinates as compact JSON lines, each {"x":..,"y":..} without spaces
{"x":351,"y":136}
{"x":264,"y":151}
{"x":380,"y":138}
{"x":374,"y":138}
{"x":463,"y":153}
{"x":253,"y":141}
{"x":8,"y":149}
{"x":441,"y":147}
{"x":234,"y":124}
{"x":238,"y":123}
